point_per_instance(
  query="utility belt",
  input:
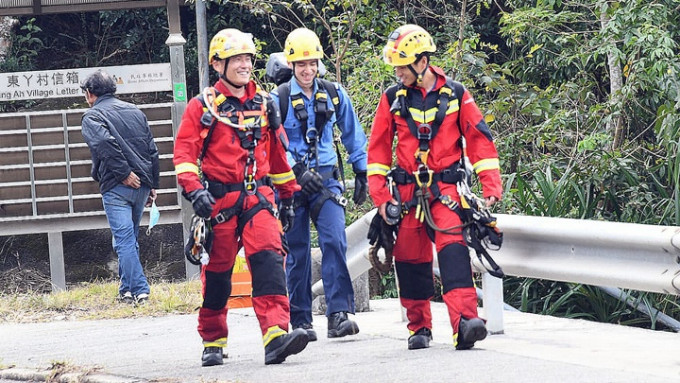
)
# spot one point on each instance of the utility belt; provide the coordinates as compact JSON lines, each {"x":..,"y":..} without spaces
{"x":326,"y":194}
{"x":328,"y":174}
{"x":219,"y":190}
{"x":451,"y":175}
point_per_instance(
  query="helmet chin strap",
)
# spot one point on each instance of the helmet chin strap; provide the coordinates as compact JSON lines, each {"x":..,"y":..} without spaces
{"x":223,"y":75}
{"x":419,"y":76}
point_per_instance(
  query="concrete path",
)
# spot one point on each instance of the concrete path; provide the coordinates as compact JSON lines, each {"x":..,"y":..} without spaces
{"x":167,"y":349}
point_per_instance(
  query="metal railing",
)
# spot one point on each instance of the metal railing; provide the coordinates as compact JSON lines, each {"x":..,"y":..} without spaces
{"x":624,"y":255}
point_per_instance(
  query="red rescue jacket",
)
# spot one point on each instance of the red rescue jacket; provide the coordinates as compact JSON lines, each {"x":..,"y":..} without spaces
{"x":225,"y":158}
{"x":444,"y":147}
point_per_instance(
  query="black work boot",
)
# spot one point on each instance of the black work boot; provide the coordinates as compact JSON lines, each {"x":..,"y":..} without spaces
{"x":420,"y":339}
{"x":469,"y":331}
{"x":339,"y":325}
{"x":281,"y":347}
{"x":310,"y":331}
{"x":212,"y":356}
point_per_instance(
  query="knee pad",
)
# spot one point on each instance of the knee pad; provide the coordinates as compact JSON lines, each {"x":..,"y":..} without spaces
{"x":415,"y":280}
{"x":454,"y":267}
{"x":269,"y":277}
{"x":217,"y":289}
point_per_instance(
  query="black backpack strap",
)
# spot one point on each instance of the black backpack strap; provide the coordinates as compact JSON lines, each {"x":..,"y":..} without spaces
{"x":458,"y":89}
{"x":331,"y":90}
{"x":284,"y":96}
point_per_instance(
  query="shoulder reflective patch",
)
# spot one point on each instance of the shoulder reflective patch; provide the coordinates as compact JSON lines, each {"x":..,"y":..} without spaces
{"x":453,"y":106}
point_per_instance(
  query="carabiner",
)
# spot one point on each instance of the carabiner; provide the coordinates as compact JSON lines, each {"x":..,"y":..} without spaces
{"x":423,"y":171}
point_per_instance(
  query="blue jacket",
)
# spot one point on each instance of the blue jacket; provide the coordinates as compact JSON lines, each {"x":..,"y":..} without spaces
{"x":353,"y":136}
{"x":120,"y":141}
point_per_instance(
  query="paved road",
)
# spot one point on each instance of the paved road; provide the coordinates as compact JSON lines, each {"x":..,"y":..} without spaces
{"x":167,"y":349}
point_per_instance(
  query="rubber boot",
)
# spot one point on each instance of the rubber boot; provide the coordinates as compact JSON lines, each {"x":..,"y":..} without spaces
{"x":212,"y":356}
{"x":339,"y":325}
{"x":420,"y":339}
{"x":310,"y":331}
{"x":469,"y":332}
{"x":280,"y":348}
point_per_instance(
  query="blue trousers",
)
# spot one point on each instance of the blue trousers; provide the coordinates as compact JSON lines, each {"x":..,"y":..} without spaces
{"x":337,"y":283}
{"x":124,"y":207}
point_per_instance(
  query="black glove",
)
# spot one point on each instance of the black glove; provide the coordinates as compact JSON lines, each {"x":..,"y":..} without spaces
{"x":374,"y":230}
{"x":360,"y":187}
{"x":310,"y":181}
{"x":287,"y":214}
{"x":202,"y":201}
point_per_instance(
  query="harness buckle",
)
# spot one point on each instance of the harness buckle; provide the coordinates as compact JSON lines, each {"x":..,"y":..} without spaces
{"x":421,"y":156}
{"x":220,"y":218}
{"x":424,"y":131}
{"x":312,"y":135}
{"x":250,"y":184}
{"x":423,"y":176}
{"x":341,"y":200}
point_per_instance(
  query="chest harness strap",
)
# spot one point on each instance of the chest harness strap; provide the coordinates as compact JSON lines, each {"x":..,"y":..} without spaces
{"x":247,"y":123}
{"x":479,"y":227}
{"x":425,"y":179}
{"x":312,"y":136}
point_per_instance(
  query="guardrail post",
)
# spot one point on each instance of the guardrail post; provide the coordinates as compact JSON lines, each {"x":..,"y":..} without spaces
{"x":57,"y":271}
{"x":493,"y":303}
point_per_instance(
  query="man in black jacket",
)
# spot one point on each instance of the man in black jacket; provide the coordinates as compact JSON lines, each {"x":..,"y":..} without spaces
{"x":125,"y":163}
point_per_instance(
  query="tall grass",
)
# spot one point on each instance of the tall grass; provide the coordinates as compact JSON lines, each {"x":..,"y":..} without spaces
{"x":98,"y":301}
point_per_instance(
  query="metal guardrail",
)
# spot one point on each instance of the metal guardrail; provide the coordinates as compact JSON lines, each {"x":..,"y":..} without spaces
{"x":624,"y":255}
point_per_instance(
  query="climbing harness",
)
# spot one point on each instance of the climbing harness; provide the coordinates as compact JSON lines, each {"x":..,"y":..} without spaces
{"x":478,"y":226}
{"x":322,"y":115}
{"x":247,"y":124}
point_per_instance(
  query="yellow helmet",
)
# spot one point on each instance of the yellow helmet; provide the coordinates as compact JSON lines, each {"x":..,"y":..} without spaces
{"x":406,"y":43}
{"x":302,"y":44}
{"x":230,"y":42}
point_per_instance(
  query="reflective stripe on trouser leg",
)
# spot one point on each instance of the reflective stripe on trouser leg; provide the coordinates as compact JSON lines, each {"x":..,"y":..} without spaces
{"x":337,"y":283}
{"x":416,"y":288}
{"x":269,"y":290}
{"x":299,"y":269}
{"x":212,"y":317}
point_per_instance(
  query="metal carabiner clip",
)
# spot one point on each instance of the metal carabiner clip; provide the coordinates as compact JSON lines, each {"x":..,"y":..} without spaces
{"x":423,"y":171}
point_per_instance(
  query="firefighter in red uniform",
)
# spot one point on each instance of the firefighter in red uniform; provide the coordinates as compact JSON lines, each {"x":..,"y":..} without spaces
{"x":429,"y":112}
{"x":229,"y":150}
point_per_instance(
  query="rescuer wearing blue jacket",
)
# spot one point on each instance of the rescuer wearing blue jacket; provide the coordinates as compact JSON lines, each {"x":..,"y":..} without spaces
{"x":314,"y":107}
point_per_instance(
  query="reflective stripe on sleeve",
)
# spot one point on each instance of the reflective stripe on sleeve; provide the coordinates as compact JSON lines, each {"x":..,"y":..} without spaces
{"x":377,"y":169}
{"x":282,"y":178}
{"x":186,"y":167}
{"x":486,"y":164}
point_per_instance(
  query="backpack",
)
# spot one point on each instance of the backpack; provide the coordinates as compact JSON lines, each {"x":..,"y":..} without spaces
{"x":278,"y":72}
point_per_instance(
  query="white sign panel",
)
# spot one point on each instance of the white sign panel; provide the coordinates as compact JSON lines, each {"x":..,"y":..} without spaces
{"x":66,"y":82}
